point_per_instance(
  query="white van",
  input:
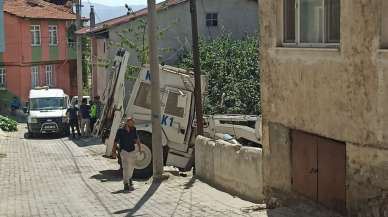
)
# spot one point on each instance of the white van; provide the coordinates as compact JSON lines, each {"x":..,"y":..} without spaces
{"x":74,"y":100}
{"x":47,"y":111}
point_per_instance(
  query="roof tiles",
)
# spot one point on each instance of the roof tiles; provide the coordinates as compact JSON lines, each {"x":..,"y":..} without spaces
{"x":127,"y":18}
{"x":38,"y":9}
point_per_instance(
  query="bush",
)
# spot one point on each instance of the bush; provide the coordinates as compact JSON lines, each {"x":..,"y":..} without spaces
{"x":8,"y":124}
{"x":232,"y":67}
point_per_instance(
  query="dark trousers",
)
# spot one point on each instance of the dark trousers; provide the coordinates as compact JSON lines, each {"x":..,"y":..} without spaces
{"x":92,"y":122}
{"x":74,"y":124}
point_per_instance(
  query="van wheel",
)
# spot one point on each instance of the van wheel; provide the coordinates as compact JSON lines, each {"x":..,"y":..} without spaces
{"x":143,"y":163}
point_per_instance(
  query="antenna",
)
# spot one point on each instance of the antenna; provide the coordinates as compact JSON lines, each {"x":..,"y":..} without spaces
{"x":130,"y":11}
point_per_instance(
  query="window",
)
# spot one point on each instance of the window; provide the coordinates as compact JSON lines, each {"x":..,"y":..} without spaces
{"x":2,"y":78}
{"x":53,"y":35}
{"x":172,"y":106}
{"x":49,"y":75}
{"x":35,"y":35}
{"x":211,"y":19}
{"x":311,"y":22}
{"x":143,"y":98}
{"x":34,"y":76}
{"x":49,"y":103}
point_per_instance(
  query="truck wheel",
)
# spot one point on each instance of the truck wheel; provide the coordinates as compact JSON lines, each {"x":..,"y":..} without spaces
{"x":143,"y":164}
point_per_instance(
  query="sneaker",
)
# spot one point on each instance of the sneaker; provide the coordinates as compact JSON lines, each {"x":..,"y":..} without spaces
{"x":126,"y":187}
{"x":130,"y":183}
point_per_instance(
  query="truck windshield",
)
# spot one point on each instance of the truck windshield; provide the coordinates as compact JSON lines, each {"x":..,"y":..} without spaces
{"x":52,"y":103}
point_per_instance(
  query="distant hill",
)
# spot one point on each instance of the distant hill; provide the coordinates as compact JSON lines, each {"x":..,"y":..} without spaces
{"x":104,"y":12}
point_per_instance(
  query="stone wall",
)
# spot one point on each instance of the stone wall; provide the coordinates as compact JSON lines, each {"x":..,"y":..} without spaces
{"x":367,"y":180}
{"x":337,"y":93}
{"x":235,"y":169}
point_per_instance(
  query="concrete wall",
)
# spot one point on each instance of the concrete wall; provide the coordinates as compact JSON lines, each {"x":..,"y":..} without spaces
{"x":236,"y":17}
{"x":339,"y":93}
{"x":101,"y":69}
{"x":236,"y":169}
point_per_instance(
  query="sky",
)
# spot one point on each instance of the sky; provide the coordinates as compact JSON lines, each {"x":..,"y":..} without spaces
{"x":120,"y":2}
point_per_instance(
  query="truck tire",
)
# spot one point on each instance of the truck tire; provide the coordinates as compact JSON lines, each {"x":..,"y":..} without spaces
{"x":143,"y":164}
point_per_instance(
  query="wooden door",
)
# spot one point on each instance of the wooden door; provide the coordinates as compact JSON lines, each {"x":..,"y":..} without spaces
{"x":319,"y":169}
{"x":304,"y":164}
{"x":332,"y":174}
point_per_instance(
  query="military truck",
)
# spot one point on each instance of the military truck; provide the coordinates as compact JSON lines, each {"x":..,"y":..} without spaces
{"x":177,"y":117}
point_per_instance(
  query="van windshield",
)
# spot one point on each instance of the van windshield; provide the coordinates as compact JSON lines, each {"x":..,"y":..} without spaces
{"x":52,"y":103}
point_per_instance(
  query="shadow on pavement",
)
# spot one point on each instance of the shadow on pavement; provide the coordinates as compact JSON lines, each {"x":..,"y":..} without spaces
{"x":108,"y":176}
{"x":42,"y":136}
{"x":190,"y":183}
{"x":85,"y":142}
{"x":151,"y":191}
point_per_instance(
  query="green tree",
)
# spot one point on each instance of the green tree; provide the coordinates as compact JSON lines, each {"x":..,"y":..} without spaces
{"x":232,"y":67}
{"x":135,"y":39}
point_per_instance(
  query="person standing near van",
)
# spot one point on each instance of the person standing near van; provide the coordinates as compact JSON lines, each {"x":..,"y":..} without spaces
{"x":84,"y":111}
{"x":72,"y":114}
{"x":15,"y":105}
{"x":127,"y":138}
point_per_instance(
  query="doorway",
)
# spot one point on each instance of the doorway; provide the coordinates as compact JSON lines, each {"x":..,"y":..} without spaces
{"x":319,"y":169}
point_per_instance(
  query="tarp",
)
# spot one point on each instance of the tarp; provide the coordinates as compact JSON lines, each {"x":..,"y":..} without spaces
{"x":2,"y":40}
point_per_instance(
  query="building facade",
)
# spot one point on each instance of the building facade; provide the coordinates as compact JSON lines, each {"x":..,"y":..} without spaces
{"x":216,"y":18}
{"x":37,"y":50}
{"x":324,"y":67}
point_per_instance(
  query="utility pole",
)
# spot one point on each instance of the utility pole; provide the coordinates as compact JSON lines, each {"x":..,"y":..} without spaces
{"x":93,"y":43}
{"x":197,"y":68}
{"x":79,"y":52}
{"x":157,"y":149}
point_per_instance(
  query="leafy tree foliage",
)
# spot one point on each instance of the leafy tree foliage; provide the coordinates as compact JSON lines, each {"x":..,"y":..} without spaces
{"x":232,"y":67}
{"x":8,"y":124}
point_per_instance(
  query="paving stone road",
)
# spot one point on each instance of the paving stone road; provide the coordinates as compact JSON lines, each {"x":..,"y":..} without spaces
{"x":58,"y":177}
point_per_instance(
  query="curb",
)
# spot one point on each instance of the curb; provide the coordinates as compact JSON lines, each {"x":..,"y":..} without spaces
{"x":2,"y":134}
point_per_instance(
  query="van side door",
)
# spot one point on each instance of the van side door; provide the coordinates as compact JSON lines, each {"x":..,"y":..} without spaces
{"x":175,"y":117}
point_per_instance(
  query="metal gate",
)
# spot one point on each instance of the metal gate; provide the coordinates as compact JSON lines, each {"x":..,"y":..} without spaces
{"x":319,"y":169}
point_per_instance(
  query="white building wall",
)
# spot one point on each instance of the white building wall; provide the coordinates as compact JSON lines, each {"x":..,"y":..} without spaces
{"x":238,"y":18}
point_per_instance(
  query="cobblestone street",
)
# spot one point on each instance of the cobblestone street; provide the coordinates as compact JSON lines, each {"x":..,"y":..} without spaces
{"x":57,"y":177}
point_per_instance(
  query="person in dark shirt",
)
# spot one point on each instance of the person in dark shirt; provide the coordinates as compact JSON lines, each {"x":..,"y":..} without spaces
{"x":72,"y":114}
{"x":84,"y":111}
{"x":129,"y":145}
{"x":15,"y":105}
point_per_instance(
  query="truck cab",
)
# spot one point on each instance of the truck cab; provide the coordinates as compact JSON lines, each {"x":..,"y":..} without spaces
{"x":177,"y":115}
{"x":47,"y":111}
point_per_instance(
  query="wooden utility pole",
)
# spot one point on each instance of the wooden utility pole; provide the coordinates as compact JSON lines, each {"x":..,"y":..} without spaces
{"x":197,"y":68}
{"x":93,"y":43}
{"x":157,"y":149}
{"x":79,"y":52}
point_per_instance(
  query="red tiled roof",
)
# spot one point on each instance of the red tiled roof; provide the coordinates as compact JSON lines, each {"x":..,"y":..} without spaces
{"x":38,"y":9}
{"x":125,"y":19}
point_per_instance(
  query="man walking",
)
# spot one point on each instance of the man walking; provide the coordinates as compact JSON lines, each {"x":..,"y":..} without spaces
{"x":127,"y":138}
{"x":84,"y":111}
{"x":72,"y":114}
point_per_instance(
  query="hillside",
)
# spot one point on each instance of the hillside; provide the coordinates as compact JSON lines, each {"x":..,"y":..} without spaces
{"x":104,"y":12}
